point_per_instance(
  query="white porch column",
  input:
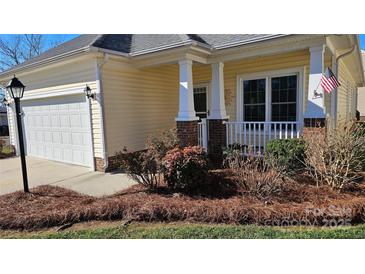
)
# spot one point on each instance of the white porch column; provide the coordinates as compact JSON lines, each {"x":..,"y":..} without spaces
{"x":315,"y":104}
{"x":186,"y":95}
{"x":218,"y":107}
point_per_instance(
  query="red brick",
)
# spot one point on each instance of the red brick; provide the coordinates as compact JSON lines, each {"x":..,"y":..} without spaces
{"x":187,"y":132}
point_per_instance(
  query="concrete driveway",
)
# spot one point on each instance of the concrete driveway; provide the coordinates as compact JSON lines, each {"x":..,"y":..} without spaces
{"x":46,"y":172}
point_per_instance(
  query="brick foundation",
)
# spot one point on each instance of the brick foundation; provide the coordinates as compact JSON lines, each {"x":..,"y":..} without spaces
{"x":316,"y":126}
{"x":217,"y":140}
{"x":113,"y":164}
{"x":187,"y":132}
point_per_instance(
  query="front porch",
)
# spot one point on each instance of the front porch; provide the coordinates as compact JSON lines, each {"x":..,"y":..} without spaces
{"x":260,"y":93}
{"x":236,"y":106}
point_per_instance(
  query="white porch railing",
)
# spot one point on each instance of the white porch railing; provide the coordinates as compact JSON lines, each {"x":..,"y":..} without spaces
{"x":252,"y":137}
{"x":203,"y":134}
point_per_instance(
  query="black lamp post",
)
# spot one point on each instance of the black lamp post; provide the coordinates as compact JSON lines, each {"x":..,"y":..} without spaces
{"x":15,"y":89}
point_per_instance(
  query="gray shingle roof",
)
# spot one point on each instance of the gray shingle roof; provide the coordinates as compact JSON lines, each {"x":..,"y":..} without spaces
{"x":135,"y":44}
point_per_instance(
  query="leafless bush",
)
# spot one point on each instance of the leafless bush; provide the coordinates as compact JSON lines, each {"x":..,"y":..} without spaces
{"x":145,"y":167}
{"x":335,"y":158}
{"x":256,"y":178}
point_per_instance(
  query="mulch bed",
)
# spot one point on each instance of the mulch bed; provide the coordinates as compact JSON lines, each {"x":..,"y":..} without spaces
{"x":301,"y":204}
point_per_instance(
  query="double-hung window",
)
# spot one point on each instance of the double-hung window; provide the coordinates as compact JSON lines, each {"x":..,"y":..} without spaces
{"x":270,"y":98}
{"x":284,"y":98}
{"x":254,"y":100}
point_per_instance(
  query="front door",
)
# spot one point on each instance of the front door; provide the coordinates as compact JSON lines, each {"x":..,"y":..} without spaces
{"x":200,"y":101}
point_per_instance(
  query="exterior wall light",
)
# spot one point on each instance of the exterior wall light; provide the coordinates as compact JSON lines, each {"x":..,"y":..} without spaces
{"x":88,"y":92}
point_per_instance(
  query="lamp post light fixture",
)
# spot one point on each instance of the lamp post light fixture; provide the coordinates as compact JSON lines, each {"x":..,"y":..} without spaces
{"x":15,"y":88}
{"x":88,"y":92}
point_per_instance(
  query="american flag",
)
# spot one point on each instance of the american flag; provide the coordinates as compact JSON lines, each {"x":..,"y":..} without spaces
{"x":329,"y":81}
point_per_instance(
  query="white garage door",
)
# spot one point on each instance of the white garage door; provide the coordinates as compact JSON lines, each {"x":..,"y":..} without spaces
{"x":58,"y":129}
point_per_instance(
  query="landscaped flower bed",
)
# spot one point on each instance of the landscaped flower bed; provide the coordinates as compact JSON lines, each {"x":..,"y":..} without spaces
{"x":302,"y":204}
{"x":298,"y":182}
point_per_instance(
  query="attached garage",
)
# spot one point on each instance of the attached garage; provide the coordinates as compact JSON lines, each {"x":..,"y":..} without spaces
{"x":58,"y":129}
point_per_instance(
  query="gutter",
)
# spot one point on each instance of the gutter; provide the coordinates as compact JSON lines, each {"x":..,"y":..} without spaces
{"x":334,"y":100}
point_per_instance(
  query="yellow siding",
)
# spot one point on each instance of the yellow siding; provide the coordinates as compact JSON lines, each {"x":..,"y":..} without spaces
{"x":137,"y":103}
{"x":69,"y":76}
{"x":361,"y":101}
{"x":346,"y":100}
{"x":202,"y":73}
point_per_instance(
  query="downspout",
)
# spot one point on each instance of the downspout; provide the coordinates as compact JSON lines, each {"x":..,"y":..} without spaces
{"x":100,"y":98}
{"x":336,"y":64}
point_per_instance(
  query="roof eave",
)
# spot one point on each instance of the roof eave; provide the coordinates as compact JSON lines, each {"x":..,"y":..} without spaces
{"x":45,"y":61}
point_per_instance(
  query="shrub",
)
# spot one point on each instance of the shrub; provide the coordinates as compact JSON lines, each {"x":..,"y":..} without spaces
{"x":232,"y":156}
{"x":335,"y":159}
{"x":145,"y":167}
{"x":255,"y":177}
{"x":285,"y":155}
{"x":162,"y":142}
{"x":186,"y":169}
{"x":142,"y":166}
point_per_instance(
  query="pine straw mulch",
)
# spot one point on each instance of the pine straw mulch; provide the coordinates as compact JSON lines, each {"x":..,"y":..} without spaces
{"x":299,"y":204}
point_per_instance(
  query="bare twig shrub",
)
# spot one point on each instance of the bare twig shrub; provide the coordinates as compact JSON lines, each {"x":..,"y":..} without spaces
{"x":254,"y":176}
{"x":145,"y":167}
{"x":335,"y":158}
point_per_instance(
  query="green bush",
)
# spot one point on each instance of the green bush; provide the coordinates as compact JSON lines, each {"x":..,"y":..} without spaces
{"x":286,"y":155}
{"x":186,"y":169}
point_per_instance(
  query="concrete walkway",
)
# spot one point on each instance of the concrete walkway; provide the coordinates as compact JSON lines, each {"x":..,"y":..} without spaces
{"x":43,"y":172}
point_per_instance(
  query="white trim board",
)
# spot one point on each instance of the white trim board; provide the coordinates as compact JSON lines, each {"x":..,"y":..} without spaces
{"x":54,"y":93}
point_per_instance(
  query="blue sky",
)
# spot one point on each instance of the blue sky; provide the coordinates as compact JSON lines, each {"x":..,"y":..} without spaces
{"x":49,"y":38}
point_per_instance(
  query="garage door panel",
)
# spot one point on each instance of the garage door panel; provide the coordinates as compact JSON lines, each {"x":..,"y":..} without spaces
{"x":58,"y":129}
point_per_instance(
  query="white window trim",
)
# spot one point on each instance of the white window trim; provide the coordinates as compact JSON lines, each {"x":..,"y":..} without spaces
{"x":207,"y":86}
{"x":299,"y":71}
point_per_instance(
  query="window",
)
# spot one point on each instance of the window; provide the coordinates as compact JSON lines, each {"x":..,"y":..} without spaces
{"x":284,"y":98}
{"x":254,"y":100}
{"x":200,"y":101}
{"x":270,"y":98}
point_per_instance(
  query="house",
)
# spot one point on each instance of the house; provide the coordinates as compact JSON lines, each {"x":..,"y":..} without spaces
{"x":361,"y":95}
{"x":216,"y":89}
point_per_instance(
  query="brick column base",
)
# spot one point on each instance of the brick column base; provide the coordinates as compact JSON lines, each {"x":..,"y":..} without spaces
{"x":314,"y":126}
{"x":187,"y":132}
{"x":216,"y":141}
{"x":113,"y":164}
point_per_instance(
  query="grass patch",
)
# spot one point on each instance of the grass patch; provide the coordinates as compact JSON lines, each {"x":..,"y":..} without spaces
{"x":192,"y":231}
